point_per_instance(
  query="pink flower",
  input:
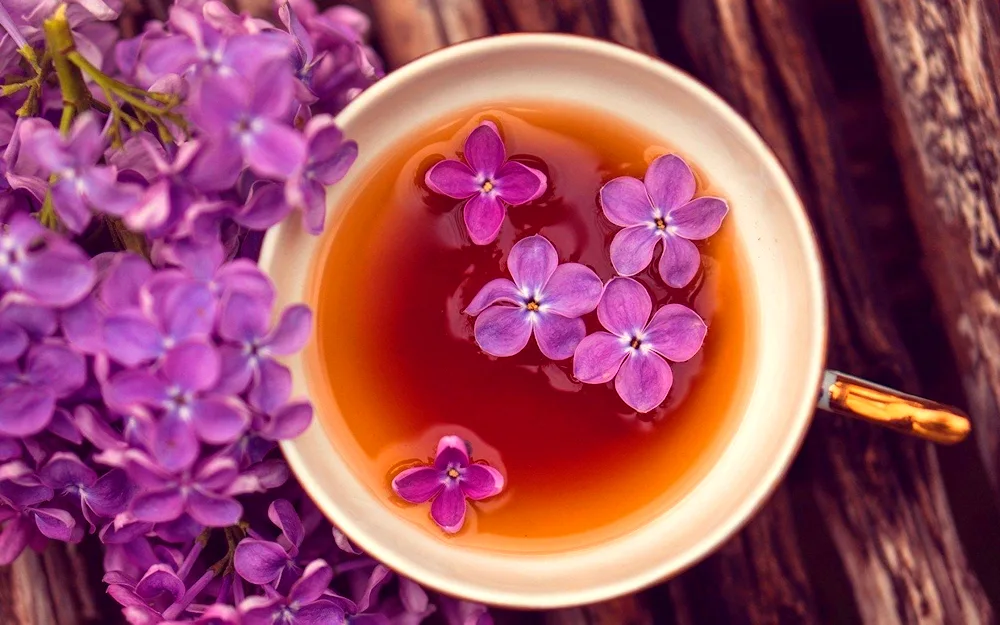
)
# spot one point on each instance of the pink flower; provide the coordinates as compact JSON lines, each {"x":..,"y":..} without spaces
{"x":489,"y":181}
{"x":660,"y":208}
{"x":449,"y":481}
{"x":545,"y":298}
{"x":635,"y":350}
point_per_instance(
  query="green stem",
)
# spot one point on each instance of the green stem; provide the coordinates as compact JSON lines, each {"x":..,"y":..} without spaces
{"x":60,"y":45}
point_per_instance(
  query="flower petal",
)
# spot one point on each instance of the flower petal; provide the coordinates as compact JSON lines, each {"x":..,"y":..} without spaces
{"x":135,"y":386}
{"x":483,"y":215}
{"x":531,"y":263}
{"x":625,"y":307}
{"x":494,"y":291}
{"x":313,"y":583}
{"x":83,"y":327}
{"x":669,"y":182}
{"x":698,"y":219}
{"x":130,"y":338}
{"x":54,"y":523}
{"x":452,"y":451}
{"x":517,"y":184}
{"x":288,"y":421}
{"x":13,"y":539}
{"x":292,"y":331}
{"x":679,"y":262}
{"x":109,"y":496}
{"x":502,"y":330}
{"x":13,"y":341}
{"x":448,"y":509}
{"x":69,"y":205}
{"x":282,"y":513}
{"x":625,"y":202}
{"x":598,"y":358}
{"x":64,"y":470}
{"x":56,"y":367}
{"x":218,"y":420}
{"x":192,"y":366}
{"x":123,"y":281}
{"x":484,"y":150}
{"x":272,"y":387}
{"x":480,"y":481}
{"x":274,"y":150}
{"x":213,"y":510}
{"x":418,"y":484}
{"x":158,"y":506}
{"x":644,"y":381}
{"x":175,"y":445}
{"x":188,"y":309}
{"x":676,"y":332}
{"x":632,"y":248}
{"x":25,"y":410}
{"x":558,"y":336}
{"x":259,"y":561}
{"x":159,"y":579}
{"x":572,"y":291}
{"x":265,"y":207}
{"x":58,"y":276}
{"x":321,"y":613}
{"x":452,"y":178}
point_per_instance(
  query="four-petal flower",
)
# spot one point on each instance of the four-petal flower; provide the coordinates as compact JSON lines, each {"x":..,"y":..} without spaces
{"x":660,"y":208}
{"x":636,"y":348}
{"x":489,"y":181}
{"x":545,"y":298}
{"x":449,"y":481}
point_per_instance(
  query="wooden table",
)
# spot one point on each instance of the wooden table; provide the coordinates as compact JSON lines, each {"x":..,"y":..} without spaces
{"x":886,"y":114}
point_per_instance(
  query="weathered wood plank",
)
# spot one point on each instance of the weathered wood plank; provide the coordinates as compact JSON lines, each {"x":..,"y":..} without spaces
{"x":411,"y":28}
{"x":881,"y":497}
{"x":940,"y":68}
{"x":621,"y":21}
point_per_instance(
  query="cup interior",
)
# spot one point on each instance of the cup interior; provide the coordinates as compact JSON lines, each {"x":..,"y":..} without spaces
{"x":786,"y":291}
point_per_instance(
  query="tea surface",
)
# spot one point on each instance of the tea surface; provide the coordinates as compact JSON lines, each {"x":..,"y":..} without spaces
{"x":401,"y":367}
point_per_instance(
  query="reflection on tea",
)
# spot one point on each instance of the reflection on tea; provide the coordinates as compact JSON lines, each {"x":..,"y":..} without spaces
{"x":412,"y":354}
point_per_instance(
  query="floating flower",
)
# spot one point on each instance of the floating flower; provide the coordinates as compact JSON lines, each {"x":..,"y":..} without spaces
{"x":660,"y":208}
{"x":489,"y":181}
{"x":636,"y":348}
{"x":449,"y":481}
{"x":545,"y":298}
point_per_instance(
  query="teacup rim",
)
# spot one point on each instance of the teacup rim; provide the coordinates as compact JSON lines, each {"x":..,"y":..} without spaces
{"x":753,"y":502}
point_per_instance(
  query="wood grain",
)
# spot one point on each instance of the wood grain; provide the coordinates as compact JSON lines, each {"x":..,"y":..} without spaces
{"x":940,"y":68}
{"x":413,"y":28}
{"x":881,"y":497}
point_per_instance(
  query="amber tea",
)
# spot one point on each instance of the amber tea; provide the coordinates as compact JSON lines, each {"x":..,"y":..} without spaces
{"x":417,"y":371}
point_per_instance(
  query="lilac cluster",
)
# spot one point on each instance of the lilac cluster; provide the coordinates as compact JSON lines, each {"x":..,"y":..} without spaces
{"x":141,"y":390}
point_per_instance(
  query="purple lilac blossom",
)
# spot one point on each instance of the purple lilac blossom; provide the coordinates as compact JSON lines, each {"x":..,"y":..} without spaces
{"x":545,"y":299}
{"x":107,"y":361}
{"x":487,"y":181}
{"x":635,"y":349}
{"x":448,"y":481}
{"x":660,"y":208}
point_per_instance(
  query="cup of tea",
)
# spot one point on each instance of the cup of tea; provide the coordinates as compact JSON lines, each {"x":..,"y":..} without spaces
{"x":607,"y":486}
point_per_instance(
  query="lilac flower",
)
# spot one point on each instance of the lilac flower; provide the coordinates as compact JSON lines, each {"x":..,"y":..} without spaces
{"x":249,"y":119}
{"x":195,"y":46}
{"x":308,"y":602}
{"x":263,"y":561}
{"x":100,"y":497}
{"x":449,"y":481}
{"x":251,"y":343}
{"x":329,"y":158}
{"x":545,"y":298}
{"x":660,"y":208}
{"x":145,"y":601}
{"x":25,"y":521}
{"x":490,"y":181}
{"x":28,"y":394}
{"x":636,"y":348}
{"x":183,"y":389}
{"x":45,"y":269}
{"x":21,"y":324}
{"x":82,"y":186}
{"x":206,"y":493}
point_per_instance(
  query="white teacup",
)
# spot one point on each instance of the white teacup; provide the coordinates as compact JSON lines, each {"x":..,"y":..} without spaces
{"x":788,"y":297}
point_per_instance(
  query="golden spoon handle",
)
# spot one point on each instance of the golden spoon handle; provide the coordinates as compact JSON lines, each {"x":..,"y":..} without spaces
{"x":847,"y":395}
